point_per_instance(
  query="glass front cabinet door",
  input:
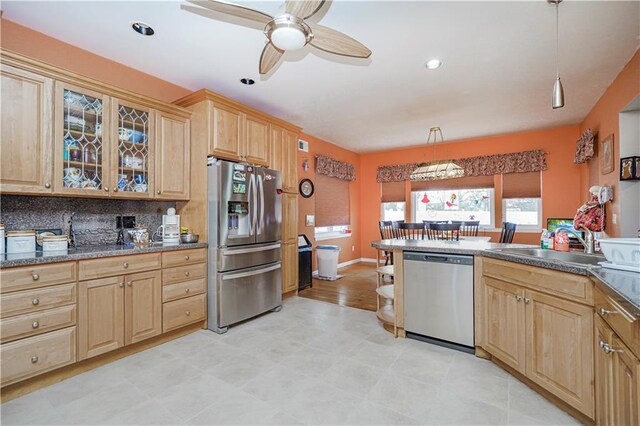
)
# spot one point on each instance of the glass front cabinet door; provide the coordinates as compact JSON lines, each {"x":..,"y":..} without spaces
{"x":82,"y":141}
{"x":132,"y":158}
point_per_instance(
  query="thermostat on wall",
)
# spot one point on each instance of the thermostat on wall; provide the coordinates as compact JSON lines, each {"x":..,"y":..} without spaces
{"x":303,"y":145}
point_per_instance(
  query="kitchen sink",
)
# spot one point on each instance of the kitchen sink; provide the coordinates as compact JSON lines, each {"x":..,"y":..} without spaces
{"x":562,"y":256}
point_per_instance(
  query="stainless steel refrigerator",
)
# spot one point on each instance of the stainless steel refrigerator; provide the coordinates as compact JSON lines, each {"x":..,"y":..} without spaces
{"x":245,"y":218}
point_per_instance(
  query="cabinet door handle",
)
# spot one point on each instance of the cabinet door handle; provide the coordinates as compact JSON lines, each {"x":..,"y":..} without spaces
{"x":47,"y":185}
{"x":35,"y":277}
{"x":130,"y":283}
{"x":120,"y":285}
{"x":106,"y":189}
{"x":35,"y":324}
{"x":34,"y":359}
{"x":115,"y":189}
{"x":35,"y":301}
{"x":526,"y":300}
{"x":606,"y":348}
{"x":158,"y":192}
{"x":604,"y":311}
{"x":125,"y":265}
{"x":518,"y":298}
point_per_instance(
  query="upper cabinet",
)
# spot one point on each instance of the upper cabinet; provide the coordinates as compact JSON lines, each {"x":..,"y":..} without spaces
{"x":81,"y":137}
{"x":283,"y":152}
{"x":236,"y":132}
{"x":26,"y":106}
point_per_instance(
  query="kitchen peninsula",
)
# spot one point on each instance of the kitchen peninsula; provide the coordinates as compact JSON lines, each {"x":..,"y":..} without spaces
{"x":555,"y":325}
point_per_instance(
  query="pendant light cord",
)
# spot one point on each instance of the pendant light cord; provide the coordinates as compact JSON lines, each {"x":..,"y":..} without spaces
{"x":557,"y":43}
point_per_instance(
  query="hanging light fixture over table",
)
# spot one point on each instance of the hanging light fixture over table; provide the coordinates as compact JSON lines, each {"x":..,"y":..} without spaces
{"x":557,"y":100}
{"x":436,"y":170}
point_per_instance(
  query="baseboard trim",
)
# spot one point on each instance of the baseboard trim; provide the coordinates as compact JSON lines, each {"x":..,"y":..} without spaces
{"x":348,"y":263}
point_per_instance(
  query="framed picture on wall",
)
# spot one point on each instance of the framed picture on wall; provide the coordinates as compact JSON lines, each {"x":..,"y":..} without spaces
{"x":629,"y":168}
{"x":637,"y":167}
{"x":606,"y":155}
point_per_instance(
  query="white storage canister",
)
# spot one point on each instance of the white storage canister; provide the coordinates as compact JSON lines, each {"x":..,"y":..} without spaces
{"x":55,"y":243}
{"x":1,"y":238}
{"x":21,"y":242}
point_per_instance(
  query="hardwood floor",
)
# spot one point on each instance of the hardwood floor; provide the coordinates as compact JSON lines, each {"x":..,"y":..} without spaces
{"x":357,"y":289}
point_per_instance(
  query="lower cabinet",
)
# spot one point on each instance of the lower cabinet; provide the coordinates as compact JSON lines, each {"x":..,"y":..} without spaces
{"x":546,"y":338}
{"x":617,"y":379}
{"x":117,"y":311}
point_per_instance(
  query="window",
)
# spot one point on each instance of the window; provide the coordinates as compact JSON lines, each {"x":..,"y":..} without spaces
{"x":526,"y":212}
{"x":328,"y":232}
{"x":392,"y":211}
{"x":454,"y":204}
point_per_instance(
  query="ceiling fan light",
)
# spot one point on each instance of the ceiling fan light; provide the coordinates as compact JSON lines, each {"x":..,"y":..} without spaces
{"x":288,"y":38}
{"x":558,"y":94}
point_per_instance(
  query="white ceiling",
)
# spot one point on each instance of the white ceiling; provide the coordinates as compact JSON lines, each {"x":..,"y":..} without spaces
{"x":497,"y":77}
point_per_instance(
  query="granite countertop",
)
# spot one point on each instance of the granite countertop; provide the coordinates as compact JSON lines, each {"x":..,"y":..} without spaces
{"x":623,"y":286}
{"x":89,"y":252}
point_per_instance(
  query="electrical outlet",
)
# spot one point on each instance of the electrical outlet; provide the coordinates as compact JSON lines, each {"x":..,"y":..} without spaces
{"x":614,"y":219}
{"x":353,"y":248}
{"x":125,"y":222}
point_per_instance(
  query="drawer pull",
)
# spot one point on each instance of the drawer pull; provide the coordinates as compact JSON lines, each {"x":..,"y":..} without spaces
{"x":604,"y":311}
{"x":186,"y":290}
{"x":120,"y":285}
{"x":186,"y":273}
{"x":130,"y":283}
{"x":186,"y":257}
{"x":518,"y":298}
{"x":188,"y":313}
{"x":34,"y":359}
{"x":47,"y":185}
{"x":35,"y":324}
{"x":35,"y":277}
{"x":35,"y":301}
{"x":125,"y":265}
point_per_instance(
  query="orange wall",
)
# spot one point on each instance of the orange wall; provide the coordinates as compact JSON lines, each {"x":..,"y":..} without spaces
{"x":55,"y":52}
{"x":561,"y":195}
{"x":603,"y":119}
{"x":349,"y":246}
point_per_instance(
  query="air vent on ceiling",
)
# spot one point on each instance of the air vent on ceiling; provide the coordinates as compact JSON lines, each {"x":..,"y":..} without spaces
{"x":303,"y":145}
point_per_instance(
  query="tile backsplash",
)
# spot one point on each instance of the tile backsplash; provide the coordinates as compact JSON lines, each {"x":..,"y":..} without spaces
{"x":94,"y":220}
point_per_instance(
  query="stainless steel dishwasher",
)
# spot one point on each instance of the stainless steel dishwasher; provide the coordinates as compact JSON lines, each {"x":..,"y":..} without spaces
{"x":438,"y":299}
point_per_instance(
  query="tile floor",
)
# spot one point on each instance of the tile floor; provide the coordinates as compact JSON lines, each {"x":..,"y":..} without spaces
{"x":311,"y":363}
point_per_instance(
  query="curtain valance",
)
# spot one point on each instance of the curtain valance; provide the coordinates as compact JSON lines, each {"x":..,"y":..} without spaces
{"x":338,"y":169}
{"x":487,"y":165}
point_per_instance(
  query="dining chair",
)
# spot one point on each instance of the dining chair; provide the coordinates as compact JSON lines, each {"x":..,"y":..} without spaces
{"x":468,"y":228}
{"x":386,"y":233}
{"x":395,"y":224}
{"x":411,"y":231}
{"x":443,"y":231}
{"x":508,"y":231}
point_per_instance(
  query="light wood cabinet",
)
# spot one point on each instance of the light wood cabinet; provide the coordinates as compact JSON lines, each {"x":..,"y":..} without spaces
{"x":26,"y":103}
{"x":290,"y":170}
{"x":117,"y":265}
{"x":80,"y":137}
{"x":226,"y":138}
{"x":28,"y":277}
{"x":604,"y":375}
{"x":289,"y":267}
{"x":257,"y":140}
{"x":183,"y":312}
{"x":277,"y":153}
{"x":504,"y":322}
{"x":626,"y":384}
{"x":100,"y":316}
{"x":559,"y":349}
{"x":289,"y":218}
{"x":143,"y":306}
{"x":545,"y":337}
{"x":172,"y":157}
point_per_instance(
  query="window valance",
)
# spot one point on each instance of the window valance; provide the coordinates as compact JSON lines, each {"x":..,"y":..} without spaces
{"x":487,"y":165}
{"x":338,"y":169}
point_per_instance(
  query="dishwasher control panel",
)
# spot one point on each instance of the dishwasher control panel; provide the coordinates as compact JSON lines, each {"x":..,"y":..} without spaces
{"x":438,"y":258}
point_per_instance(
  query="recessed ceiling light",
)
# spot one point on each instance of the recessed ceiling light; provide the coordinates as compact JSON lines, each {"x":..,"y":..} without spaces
{"x":433,"y":64}
{"x":247,"y":81}
{"x":142,"y":28}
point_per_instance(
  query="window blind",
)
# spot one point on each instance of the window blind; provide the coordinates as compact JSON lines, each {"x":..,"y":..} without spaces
{"x":392,"y":192}
{"x":522,"y":185}
{"x":332,"y":201}
{"x":470,"y":182}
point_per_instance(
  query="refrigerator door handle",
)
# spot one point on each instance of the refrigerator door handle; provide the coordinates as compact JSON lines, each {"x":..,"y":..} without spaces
{"x":260,"y":216}
{"x":251,"y":195}
{"x":250,"y":273}
{"x":229,"y":252}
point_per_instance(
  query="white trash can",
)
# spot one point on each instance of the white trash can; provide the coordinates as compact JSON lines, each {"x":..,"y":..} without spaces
{"x":327,"y":261}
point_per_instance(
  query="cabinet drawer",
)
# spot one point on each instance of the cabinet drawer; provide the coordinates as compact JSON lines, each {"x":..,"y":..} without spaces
{"x":27,"y":277}
{"x":183,"y":257}
{"x":626,"y":326}
{"x":563,"y":284}
{"x":181,"y":290}
{"x":120,"y":265}
{"x":35,"y":355}
{"x":184,"y":273}
{"x":184,"y":311}
{"x":37,"y":299}
{"x":37,"y":323}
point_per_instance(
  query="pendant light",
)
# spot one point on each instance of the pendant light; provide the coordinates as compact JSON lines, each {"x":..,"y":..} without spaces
{"x":557,"y":99}
{"x":436,"y":170}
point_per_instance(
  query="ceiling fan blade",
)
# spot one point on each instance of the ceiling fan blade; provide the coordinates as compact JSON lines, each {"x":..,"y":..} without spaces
{"x":333,"y":41}
{"x":269,"y":58}
{"x":231,"y":9}
{"x":303,"y":8}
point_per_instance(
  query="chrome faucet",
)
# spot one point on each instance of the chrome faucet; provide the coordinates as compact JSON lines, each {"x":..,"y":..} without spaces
{"x":588,"y":243}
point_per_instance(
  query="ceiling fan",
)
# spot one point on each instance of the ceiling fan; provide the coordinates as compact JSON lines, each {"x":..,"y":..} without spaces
{"x":288,"y":31}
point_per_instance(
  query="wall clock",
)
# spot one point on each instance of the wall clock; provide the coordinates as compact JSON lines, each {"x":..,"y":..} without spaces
{"x":306,"y":188}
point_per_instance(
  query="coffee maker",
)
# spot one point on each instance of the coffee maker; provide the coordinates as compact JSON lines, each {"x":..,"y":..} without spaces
{"x":170,"y":229}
